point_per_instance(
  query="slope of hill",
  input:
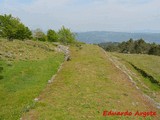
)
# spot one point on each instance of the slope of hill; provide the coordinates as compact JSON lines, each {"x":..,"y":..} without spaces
{"x":26,"y":67}
{"x":105,"y":36}
{"x":87,"y":86}
{"x":144,"y":69}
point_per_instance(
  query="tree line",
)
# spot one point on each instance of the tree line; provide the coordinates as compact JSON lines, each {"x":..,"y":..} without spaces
{"x":132,"y":46}
{"x":12,"y":28}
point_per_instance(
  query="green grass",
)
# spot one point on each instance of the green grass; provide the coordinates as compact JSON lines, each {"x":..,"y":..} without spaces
{"x":85,"y":87}
{"x":22,"y":82}
{"x":27,"y":67}
{"x":150,"y":64}
{"x":25,"y":50}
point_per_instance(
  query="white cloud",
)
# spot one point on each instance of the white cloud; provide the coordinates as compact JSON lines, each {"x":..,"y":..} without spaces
{"x":85,"y":15}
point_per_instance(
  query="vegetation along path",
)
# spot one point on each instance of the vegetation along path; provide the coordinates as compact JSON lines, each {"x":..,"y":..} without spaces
{"x":86,"y":86}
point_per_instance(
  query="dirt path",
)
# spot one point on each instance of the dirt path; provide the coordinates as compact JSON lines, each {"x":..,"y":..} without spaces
{"x":88,"y":85}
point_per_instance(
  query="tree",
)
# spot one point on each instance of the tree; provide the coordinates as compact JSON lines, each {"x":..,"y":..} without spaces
{"x":66,"y":36}
{"x":130,"y":46}
{"x":23,"y":32}
{"x":38,"y":34}
{"x":52,"y":36}
{"x":127,"y":47}
{"x":110,"y":46}
{"x":141,"y":46}
{"x":122,"y":47}
{"x":12,"y":28}
{"x":154,"y":50}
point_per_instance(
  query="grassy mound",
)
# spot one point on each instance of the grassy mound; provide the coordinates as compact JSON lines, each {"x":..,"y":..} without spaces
{"x":85,"y":87}
{"x":146,"y":69}
{"x":27,"y":66}
{"x":25,"y":50}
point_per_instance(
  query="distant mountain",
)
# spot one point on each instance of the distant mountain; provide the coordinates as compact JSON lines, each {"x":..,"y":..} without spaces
{"x":106,"y":36}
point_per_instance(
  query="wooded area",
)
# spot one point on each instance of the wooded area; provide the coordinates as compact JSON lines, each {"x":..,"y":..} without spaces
{"x":134,"y":47}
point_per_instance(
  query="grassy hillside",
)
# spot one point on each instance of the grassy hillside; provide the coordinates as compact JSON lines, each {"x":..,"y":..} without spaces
{"x":25,"y":50}
{"x":146,"y":69}
{"x":26,"y":68}
{"x":148,"y":63}
{"x":86,"y":86}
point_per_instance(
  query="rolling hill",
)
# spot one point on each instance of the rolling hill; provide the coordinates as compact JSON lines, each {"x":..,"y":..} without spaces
{"x":86,"y":86}
{"x":107,"y":36}
{"x":36,"y":82}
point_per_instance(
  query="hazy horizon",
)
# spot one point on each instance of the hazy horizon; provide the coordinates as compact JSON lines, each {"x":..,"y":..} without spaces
{"x":145,"y":31}
{"x":138,"y":16}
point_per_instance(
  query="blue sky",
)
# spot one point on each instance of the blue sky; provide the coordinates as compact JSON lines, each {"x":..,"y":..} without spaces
{"x":87,"y":15}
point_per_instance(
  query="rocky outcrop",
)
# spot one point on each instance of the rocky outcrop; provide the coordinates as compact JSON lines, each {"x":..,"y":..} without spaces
{"x":65,"y":50}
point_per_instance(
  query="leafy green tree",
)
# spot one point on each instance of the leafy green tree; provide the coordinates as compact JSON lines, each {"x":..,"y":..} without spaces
{"x":38,"y":34}
{"x":154,"y":50}
{"x":122,"y":47}
{"x":23,"y":32}
{"x":141,"y":46}
{"x":66,"y":36}
{"x":12,"y":28}
{"x":127,"y":47}
{"x":52,"y":36}
{"x":130,"y":46}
